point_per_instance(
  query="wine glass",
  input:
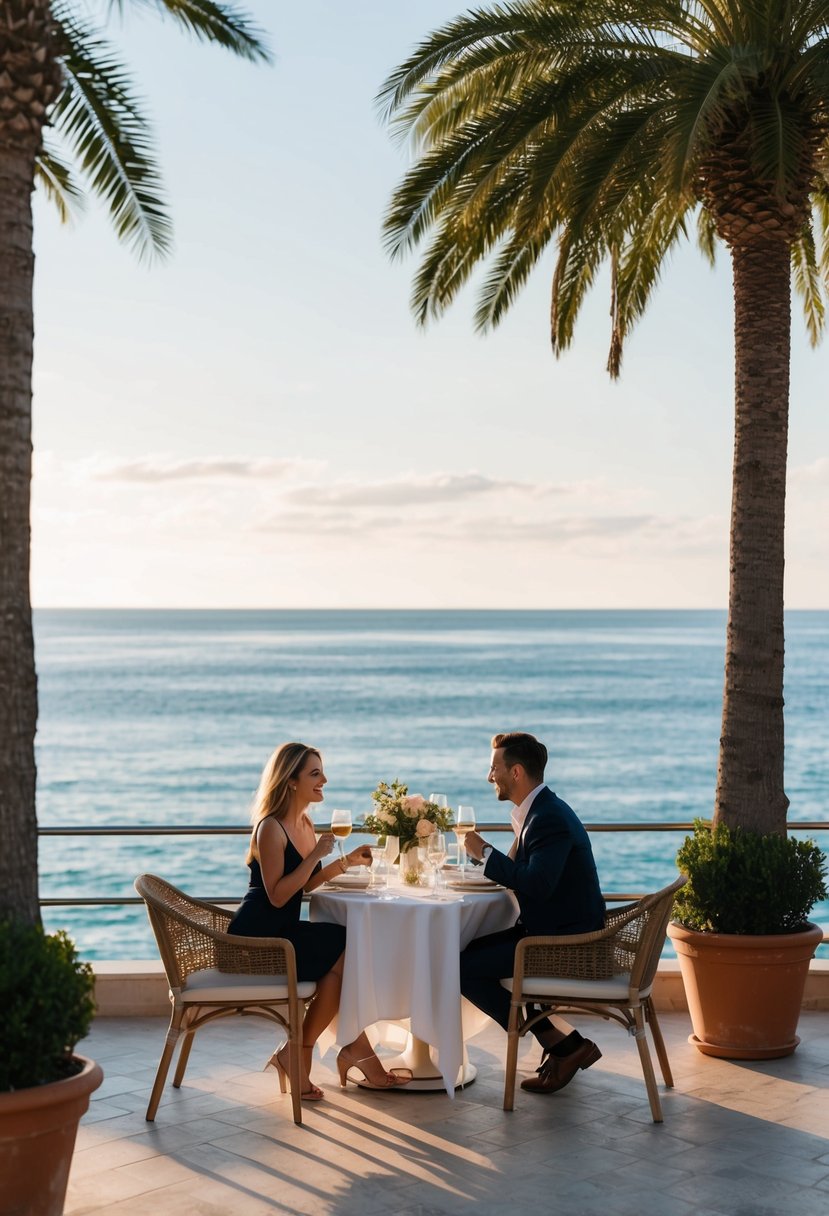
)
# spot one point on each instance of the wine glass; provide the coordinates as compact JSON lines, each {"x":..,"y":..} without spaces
{"x":439,"y":800}
{"x":436,"y":856}
{"x":379,"y":879}
{"x":381,"y":870}
{"x":464,"y":822}
{"x":392,"y":850}
{"x":341,"y":827}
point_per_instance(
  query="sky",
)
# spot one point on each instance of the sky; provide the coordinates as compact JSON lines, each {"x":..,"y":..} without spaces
{"x":258,"y":422}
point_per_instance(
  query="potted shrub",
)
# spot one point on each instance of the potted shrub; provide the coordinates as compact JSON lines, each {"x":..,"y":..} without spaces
{"x":743,"y":937}
{"x":47,"y":1005}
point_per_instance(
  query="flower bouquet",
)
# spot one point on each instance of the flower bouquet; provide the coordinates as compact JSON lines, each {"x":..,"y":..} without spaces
{"x":408,"y":816}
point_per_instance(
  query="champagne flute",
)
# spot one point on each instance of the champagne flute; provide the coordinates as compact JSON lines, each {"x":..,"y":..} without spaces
{"x":436,"y":855}
{"x":464,"y":822}
{"x":341,"y":827}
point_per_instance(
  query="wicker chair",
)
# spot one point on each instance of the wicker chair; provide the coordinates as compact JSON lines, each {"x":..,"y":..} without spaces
{"x":213,"y":974}
{"x":609,"y":973}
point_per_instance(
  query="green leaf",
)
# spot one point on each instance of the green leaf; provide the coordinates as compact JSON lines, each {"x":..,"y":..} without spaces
{"x":744,"y":882}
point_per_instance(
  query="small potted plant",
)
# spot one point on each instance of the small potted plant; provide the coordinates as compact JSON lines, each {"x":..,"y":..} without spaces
{"x":46,"y":995}
{"x":743,"y":937}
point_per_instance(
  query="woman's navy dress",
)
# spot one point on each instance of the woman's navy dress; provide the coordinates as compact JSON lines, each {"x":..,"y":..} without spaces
{"x":317,"y":945}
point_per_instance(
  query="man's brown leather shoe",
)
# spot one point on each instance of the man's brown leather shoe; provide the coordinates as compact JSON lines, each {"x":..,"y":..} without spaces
{"x":557,"y":1071}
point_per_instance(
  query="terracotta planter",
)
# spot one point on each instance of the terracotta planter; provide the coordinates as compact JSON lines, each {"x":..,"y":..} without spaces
{"x":37,"y":1136}
{"x":744,"y":993}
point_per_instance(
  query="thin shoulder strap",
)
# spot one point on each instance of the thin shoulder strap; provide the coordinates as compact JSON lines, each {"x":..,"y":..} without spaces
{"x":278,"y":821}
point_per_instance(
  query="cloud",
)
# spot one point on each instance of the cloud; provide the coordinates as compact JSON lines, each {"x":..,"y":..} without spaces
{"x":586,"y":535}
{"x":295,"y":502}
{"x":326,"y":523}
{"x":558,"y":530}
{"x":156,"y":470}
{"x":407,"y":490}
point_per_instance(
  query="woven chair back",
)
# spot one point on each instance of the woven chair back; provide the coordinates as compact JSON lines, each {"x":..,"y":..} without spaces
{"x":192,"y":936}
{"x":630,"y":944}
{"x":657,"y":914}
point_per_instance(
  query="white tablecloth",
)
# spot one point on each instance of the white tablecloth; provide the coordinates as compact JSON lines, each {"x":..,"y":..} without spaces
{"x":401,"y":961}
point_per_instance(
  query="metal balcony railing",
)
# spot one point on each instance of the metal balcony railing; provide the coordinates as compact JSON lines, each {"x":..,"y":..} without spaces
{"x":158,"y":829}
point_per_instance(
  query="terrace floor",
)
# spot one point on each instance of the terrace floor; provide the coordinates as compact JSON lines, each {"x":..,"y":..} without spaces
{"x":739,"y":1139}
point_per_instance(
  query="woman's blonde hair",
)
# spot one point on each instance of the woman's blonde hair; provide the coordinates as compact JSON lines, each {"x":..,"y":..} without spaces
{"x":273,"y":797}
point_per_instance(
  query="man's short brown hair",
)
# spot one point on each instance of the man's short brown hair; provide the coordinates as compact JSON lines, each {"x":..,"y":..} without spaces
{"x":526,"y":750}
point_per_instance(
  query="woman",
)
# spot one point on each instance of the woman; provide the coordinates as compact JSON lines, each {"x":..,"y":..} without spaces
{"x":285,"y":859}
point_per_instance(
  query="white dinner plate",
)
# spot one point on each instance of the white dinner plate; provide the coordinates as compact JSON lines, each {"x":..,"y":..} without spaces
{"x":472,"y":884}
{"x":349,"y":882}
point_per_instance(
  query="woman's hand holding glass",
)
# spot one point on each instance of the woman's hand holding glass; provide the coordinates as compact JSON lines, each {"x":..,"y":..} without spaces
{"x":324,"y":845}
{"x":341,"y":827}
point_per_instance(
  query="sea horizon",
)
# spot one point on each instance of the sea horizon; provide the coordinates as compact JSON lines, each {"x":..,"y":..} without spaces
{"x":375,"y":608}
{"x":166,"y":716}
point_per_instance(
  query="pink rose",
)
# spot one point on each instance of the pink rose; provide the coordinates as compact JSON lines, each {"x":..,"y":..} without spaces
{"x":413,"y":805}
{"x":424,"y":828}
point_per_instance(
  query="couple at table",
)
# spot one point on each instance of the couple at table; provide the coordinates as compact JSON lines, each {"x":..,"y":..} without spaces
{"x":550,"y":869}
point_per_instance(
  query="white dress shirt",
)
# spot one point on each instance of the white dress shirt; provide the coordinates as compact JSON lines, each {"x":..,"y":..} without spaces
{"x":519,"y":814}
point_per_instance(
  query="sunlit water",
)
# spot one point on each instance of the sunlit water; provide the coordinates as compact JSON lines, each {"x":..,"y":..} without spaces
{"x":168,"y":717}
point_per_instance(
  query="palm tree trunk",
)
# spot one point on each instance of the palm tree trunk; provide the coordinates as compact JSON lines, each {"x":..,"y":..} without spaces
{"x":18,"y":699}
{"x":750,"y":790}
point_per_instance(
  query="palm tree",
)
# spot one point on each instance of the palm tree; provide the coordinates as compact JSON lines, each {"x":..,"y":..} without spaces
{"x":606,"y":126}
{"x":64,"y":98}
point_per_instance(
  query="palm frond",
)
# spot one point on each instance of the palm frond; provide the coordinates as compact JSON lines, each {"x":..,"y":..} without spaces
{"x":638,"y":267}
{"x":509,"y":272}
{"x":820,"y":228}
{"x":459,"y":244}
{"x":598,"y":126}
{"x":707,"y":235}
{"x":226,"y":25}
{"x":577,"y":263}
{"x":702,"y":104}
{"x":465,"y":42}
{"x":58,"y":183}
{"x":779,"y":142}
{"x":463,"y":162}
{"x":807,"y":284}
{"x":100,"y":119}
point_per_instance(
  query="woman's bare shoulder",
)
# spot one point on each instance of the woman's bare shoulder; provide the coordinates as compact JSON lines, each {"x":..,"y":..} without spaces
{"x":271,"y":831}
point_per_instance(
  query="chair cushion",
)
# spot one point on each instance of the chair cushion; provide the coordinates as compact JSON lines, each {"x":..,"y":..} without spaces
{"x":548,"y":987}
{"x":214,"y":985}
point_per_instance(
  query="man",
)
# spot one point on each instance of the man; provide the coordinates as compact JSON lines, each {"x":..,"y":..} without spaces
{"x":550,"y":868}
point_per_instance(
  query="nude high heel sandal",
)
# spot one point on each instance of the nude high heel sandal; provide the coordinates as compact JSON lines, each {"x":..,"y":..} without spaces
{"x":395,"y":1078}
{"x":314,"y":1094}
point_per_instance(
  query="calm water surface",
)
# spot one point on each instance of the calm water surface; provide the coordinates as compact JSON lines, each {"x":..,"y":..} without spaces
{"x":167,"y":717}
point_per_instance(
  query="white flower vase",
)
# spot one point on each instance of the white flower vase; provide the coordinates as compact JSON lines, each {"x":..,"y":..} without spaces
{"x":412,"y":867}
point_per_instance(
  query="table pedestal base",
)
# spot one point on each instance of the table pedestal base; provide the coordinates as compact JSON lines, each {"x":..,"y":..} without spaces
{"x":417,"y":1056}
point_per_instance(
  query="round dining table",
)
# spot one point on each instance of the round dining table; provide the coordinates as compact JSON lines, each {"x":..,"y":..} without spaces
{"x":402,"y":964}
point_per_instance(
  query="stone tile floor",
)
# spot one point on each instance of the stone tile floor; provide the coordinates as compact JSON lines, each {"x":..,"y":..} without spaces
{"x":739,"y":1139}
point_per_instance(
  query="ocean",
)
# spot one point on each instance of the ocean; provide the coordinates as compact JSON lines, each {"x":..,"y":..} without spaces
{"x":167,"y":717}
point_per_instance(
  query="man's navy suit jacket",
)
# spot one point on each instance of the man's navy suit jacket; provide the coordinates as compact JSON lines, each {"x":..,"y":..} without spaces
{"x":553,"y":873}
